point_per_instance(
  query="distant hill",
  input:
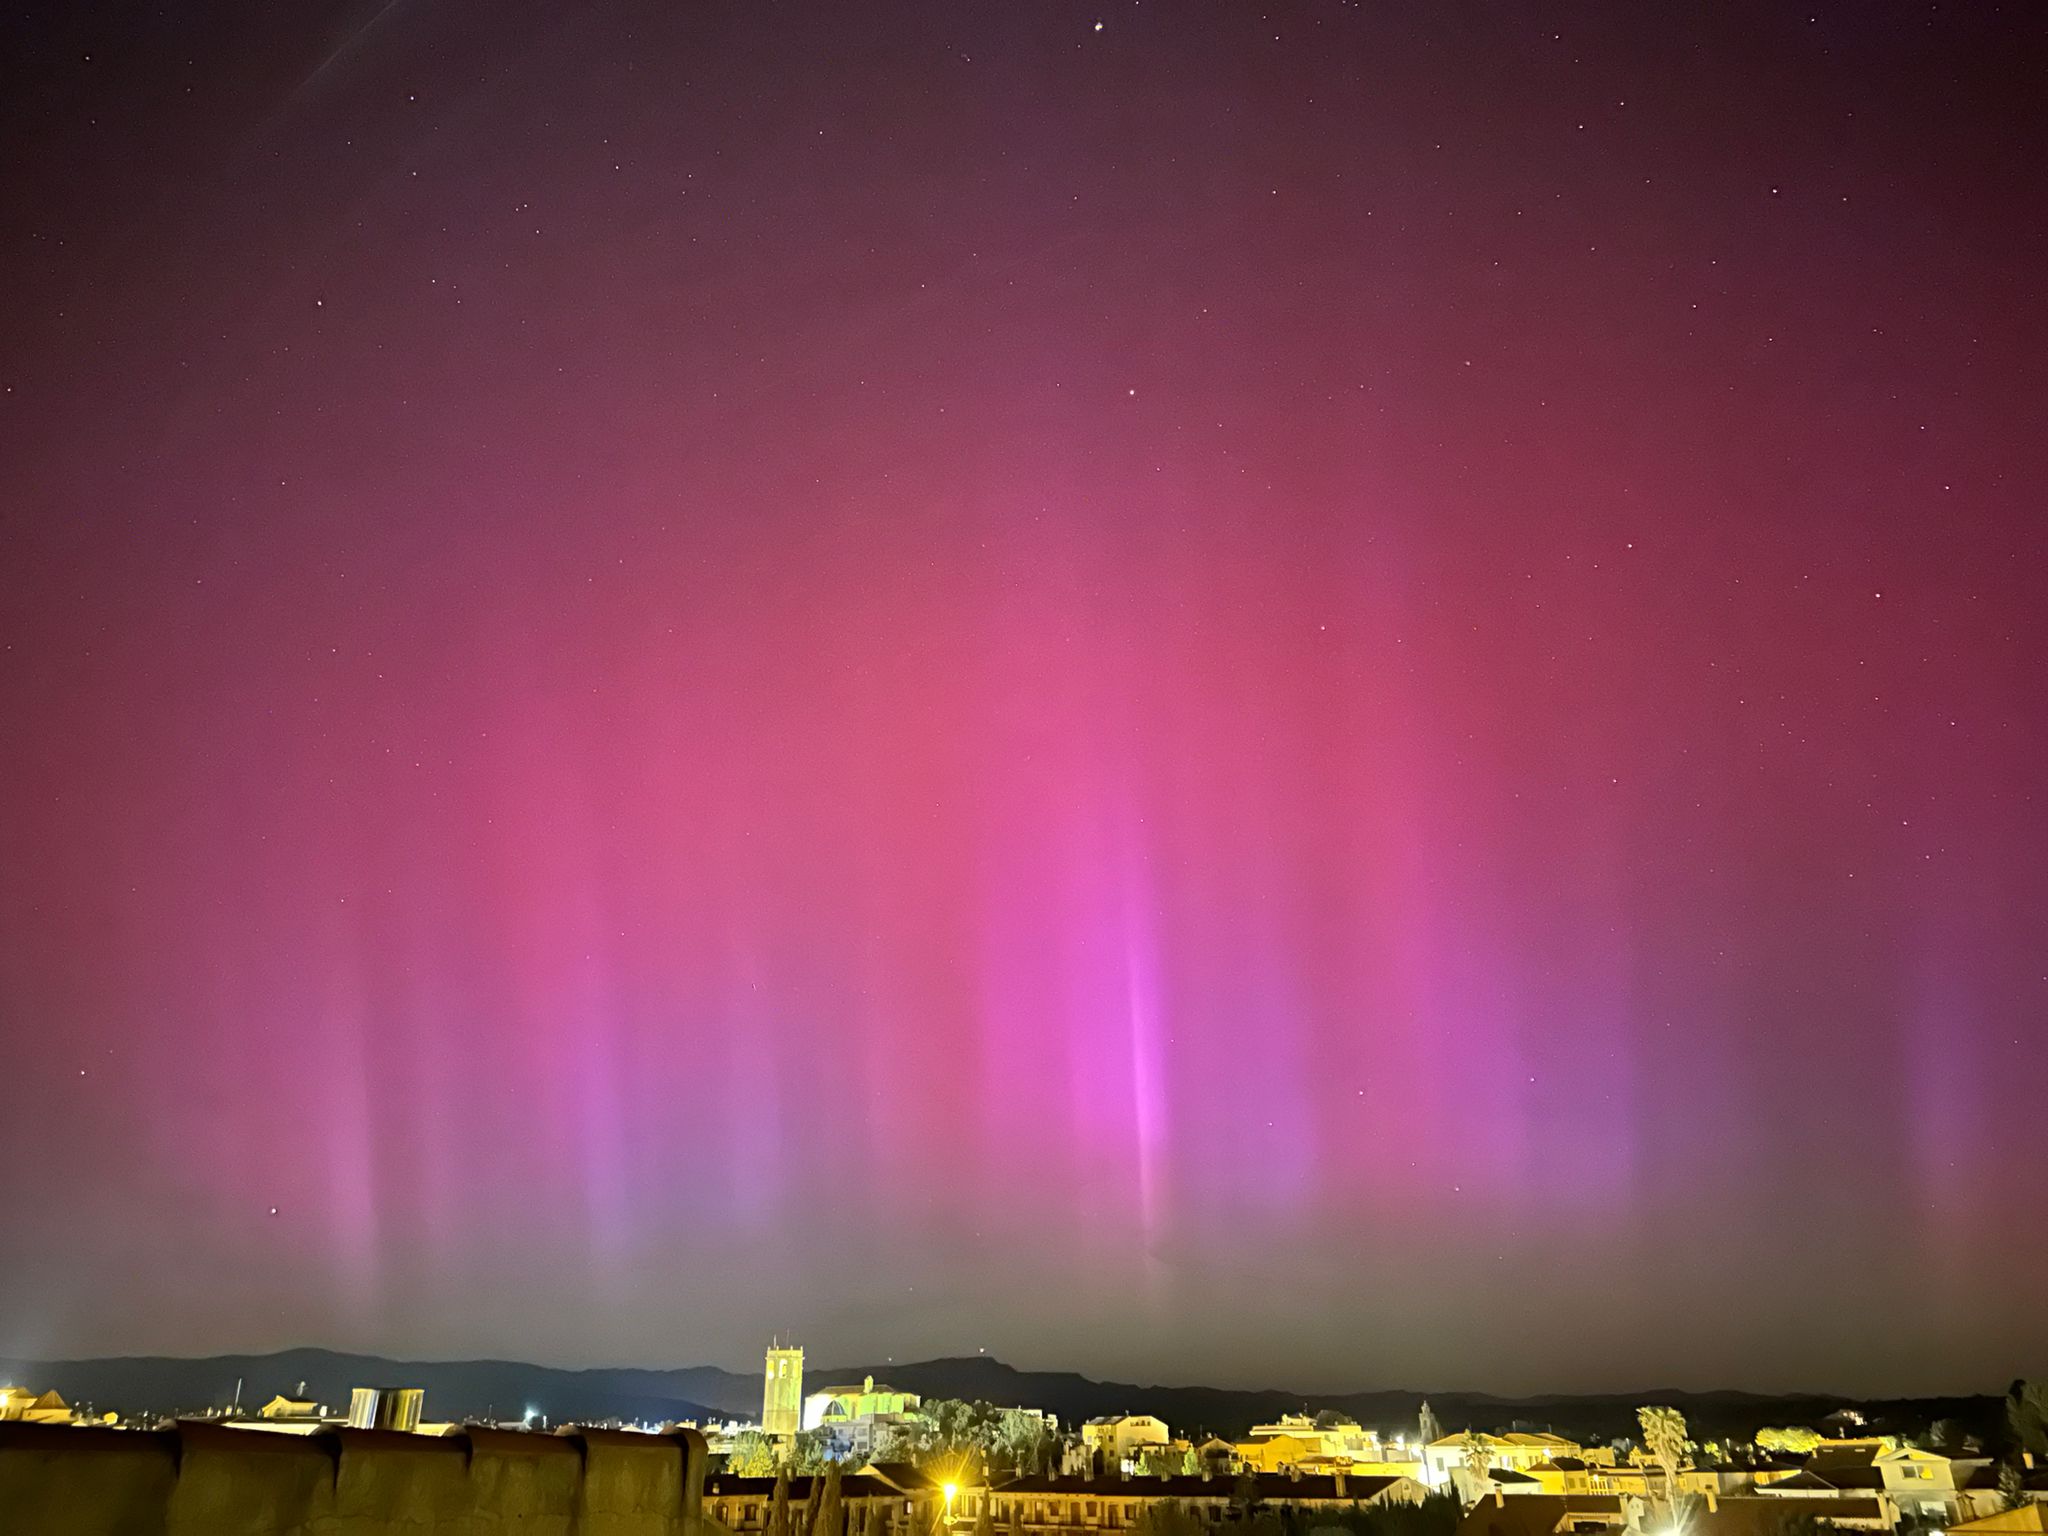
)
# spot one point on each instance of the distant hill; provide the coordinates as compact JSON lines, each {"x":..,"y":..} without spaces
{"x":505,"y":1389}
{"x":1231,"y":1411}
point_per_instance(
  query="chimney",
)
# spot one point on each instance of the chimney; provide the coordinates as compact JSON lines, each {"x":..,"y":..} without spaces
{"x":1500,"y":1499}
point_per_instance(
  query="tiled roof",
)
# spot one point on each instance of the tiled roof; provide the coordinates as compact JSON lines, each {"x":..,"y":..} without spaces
{"x":1273,"y":1487}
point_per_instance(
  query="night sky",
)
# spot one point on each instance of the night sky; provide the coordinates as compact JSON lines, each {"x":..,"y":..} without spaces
{"x":1311,"y":695}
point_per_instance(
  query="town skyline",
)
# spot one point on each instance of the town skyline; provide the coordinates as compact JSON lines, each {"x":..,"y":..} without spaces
{"x":709,"y":1386}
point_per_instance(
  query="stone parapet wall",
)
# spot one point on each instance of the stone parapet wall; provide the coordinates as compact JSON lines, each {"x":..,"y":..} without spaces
{"x":207,"y":1480}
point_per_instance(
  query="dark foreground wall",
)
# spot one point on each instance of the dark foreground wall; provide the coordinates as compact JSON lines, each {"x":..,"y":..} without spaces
{"x":205,"y":1480}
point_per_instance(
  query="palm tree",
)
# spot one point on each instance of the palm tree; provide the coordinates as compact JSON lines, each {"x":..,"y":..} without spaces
{"x":1478,"y":1461}
{"x":1664,"y":1439}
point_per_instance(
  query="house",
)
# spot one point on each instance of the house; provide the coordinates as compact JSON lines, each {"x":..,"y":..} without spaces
{"x":1977,"y":1482}
{"x":34,"y":1408}
{"x":1929,"y":1483}
{"x":2030,"y":1519}
{"x":1118,"y":1438}
{"x":1502,"y":1514}
{"x":1921,"y":1483}
{"x":1044,"y":1505}
{"x":1272,"y":1453}
{"x":1645,"y":1480}
{"x":1749,"y":1515}
{"x":287,"y":1414}
{"x":1515,"y":1452}
{"x":887,"y":1497}
{"x":1330,"y":1435}
{"x":1846,"y":1510}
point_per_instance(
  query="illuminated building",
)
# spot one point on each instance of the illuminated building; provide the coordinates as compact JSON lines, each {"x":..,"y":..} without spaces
{"x":1922,"y":1483}
{"x":832,"y":1407}
{"x":782,"y":1392}
{"x":883,"y":1498}
{"x":1329,"y":1435}
{"x":1053,"y":1504}
{"x":1117,"y":1438}
{"x":34,"y":1408}
{"x":1514,"y":1452}
{"x":386,"y":1408}
{"x":293,"y":1414}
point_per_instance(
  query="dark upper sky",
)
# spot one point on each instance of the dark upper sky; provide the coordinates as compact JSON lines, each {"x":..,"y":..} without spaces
{"x":1316,"y":694}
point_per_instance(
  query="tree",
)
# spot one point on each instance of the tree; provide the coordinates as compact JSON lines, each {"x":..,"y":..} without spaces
{"x":1945,"y":1436}
{"x":2026,"y":1416}
{"x":1664,"y":1438}
{"x":1478,"y":1463}
{"x":1168,"y":1517}
{"x":956,"y":1424}
{"x":1797,"y":1441}
{"x":1244,"y":1496}
{"x":1165,"y":1461}
{"x":913,"y":1442}
{"x":1022,"y":1440}
{"x":752,"y":1455}
{"x":813,"y":1451}
{"x":985,"y":1517}
{"x":811,"y":1501}
{"x":778,"y":1506}
{"x":2012,"y":1483}
{"x":830,"y":1518}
